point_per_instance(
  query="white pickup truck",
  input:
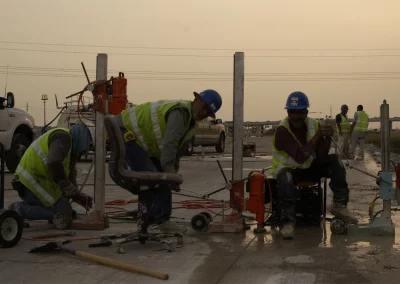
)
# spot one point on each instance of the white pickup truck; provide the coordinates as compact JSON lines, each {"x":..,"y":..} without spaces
{"x":17,"y":131}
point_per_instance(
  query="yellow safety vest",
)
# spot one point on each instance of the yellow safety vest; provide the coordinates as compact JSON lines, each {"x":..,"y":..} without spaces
{"x":344,"y":124}
{"x":147,"y":122}
{"x":281,"y":159}
{"x":33,"y":173}
{"x":362,"y":121}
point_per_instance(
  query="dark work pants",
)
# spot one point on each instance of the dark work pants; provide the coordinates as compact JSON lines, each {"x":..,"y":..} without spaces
{"x":330,"y":166}
{"x":31,"y":208}
{"x":159,"y":201}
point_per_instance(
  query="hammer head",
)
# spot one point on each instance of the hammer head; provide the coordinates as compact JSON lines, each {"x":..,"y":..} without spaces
{"x":50,"y":246}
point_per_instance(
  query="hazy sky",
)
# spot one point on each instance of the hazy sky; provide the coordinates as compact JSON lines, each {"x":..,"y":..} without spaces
{"x":317,"y":30}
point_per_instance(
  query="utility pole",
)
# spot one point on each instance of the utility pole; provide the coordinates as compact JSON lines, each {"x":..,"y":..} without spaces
{"x":27,"y":107}
{"x":44,"y":99}
{"x":331,"y":111}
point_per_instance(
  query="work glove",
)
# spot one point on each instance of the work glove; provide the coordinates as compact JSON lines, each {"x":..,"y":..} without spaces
{"x":83,"y":200}
{"x":70,"y":190}
{"x":175,"y":187}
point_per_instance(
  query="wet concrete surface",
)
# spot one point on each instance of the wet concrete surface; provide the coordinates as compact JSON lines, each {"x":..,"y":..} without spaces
{"x":314,"y":256}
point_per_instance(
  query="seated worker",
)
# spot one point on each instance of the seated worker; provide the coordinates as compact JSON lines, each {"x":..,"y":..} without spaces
{"x":46,"y":175}
{"x":156,"y":135}
{"x":300,"y":152}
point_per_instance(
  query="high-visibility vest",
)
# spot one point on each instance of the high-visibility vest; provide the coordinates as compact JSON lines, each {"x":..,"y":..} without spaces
{"x":33,"y":173}
{"x":344,"y":124}
{"x":147,"y":121}
{"x":362,"y":121}
{"x":281,"y":159}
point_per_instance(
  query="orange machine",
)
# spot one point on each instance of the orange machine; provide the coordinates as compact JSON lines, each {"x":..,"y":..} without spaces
{"x":110,"y":96}
{"x":255,"y":202}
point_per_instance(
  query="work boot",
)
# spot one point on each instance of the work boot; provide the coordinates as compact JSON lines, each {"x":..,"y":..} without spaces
{"x":340,"y":210}
{"x":171,"y":227}
{"x":287,"y":231}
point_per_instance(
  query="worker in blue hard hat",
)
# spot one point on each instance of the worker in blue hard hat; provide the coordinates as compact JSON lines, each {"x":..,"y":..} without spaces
{"x":156,"y":136}
{"x":343,"y":130}
{"x":301,"y":152}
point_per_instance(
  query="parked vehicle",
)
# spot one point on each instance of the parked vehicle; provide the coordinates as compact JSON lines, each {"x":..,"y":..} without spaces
{"x":17,"y":131}
{"x":210,"y":133}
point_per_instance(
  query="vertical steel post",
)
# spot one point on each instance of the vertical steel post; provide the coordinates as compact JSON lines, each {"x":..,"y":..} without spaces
{"x":238,"y":131}
{"x":100,"y":148}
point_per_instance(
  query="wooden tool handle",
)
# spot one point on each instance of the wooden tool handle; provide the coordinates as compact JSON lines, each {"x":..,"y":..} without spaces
{"x":121,"y":265}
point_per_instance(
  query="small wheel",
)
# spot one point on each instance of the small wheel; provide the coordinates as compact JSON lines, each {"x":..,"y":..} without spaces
{"x":199,"y":223}
{"x":171,"y":247}
{"x":62,"y":220}
{"x":338,"y":227}
{"x":208,"y":216}
{"x":11,"y":227}
{"x":121,"y":250}
{"x":179,"y":241}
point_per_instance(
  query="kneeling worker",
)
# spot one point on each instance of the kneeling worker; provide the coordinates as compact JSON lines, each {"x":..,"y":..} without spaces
{"x":301,"y":153}
{"x":156,"y":137}
{"x":46,"y":175}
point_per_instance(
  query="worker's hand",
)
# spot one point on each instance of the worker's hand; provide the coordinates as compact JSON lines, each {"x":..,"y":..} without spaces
{"x":83,"y":200}
{"x":327,"y":130}
{"x":175,"y":187}
{"x":70,"y":190}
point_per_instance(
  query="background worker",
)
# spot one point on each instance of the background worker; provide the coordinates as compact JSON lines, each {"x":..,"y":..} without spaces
{"x":358,"y":131}
{"x":46,"y":175}
{"x":343,"y":129}
{"x":156,"y":137}
{"x":300,"y":153}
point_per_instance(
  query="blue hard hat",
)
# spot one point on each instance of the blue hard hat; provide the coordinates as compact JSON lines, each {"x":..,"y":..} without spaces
{"x":212,"y":99}
{"x":297,"y":100}
{"x":344,"y":107}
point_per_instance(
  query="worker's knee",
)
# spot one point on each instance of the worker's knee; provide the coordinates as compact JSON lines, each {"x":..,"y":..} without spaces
{"x":286,"y":189}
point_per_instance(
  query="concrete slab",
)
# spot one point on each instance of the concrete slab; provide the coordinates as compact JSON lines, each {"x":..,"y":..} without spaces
{"x":314,"y":256}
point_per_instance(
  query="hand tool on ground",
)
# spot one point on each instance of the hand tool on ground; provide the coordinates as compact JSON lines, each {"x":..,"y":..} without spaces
{"x":59,"y":246}
{"x":11,"y":223}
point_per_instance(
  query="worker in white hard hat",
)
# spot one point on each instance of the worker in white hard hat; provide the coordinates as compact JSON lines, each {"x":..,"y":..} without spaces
{"x":343,"y":130}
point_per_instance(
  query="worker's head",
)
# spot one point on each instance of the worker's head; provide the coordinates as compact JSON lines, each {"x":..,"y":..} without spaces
{"x":297,"y":108}
{"x":344,"y":109}
{"x":360,"y":107}
{"x":206,"y":104}
{"x":81,"y":139}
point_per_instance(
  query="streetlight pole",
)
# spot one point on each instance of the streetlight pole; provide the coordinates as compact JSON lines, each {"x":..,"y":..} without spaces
{"x":44,"y":99}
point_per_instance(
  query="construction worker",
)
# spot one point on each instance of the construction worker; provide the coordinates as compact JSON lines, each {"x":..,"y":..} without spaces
{"x":300,"y":153}
{"x":46,"y":175}
{"x":156,"y":136}
{"x":358,"y":130}
{"x":343,"y":130}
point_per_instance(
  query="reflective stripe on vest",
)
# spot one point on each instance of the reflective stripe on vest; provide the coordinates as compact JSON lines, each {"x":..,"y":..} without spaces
{"x":148,"y":123}
{"x":344,"y":124}
{"x":362,"y":122}
{"x":33,"y":173}
{"x":280,"y":159}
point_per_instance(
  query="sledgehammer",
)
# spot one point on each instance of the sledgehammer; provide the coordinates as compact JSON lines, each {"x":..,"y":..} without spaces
{"x":57,"y":246}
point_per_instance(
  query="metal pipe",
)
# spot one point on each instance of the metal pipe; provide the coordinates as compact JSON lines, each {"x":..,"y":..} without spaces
{"x":100,"y":148}
{"x":385,"y":137}
{"x":238,"y":98}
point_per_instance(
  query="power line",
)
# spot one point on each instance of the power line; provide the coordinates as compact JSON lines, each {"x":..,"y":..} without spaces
{"x":216,"y":79}
{"x":197,"y":48}
{"x":79,"y":72}
{"x":205,"y":56}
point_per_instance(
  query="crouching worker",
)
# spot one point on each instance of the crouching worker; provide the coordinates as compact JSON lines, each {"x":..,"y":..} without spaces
{"x":46,"y":176}
{"x":156,"y":136}
{"x":300,"y":153}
